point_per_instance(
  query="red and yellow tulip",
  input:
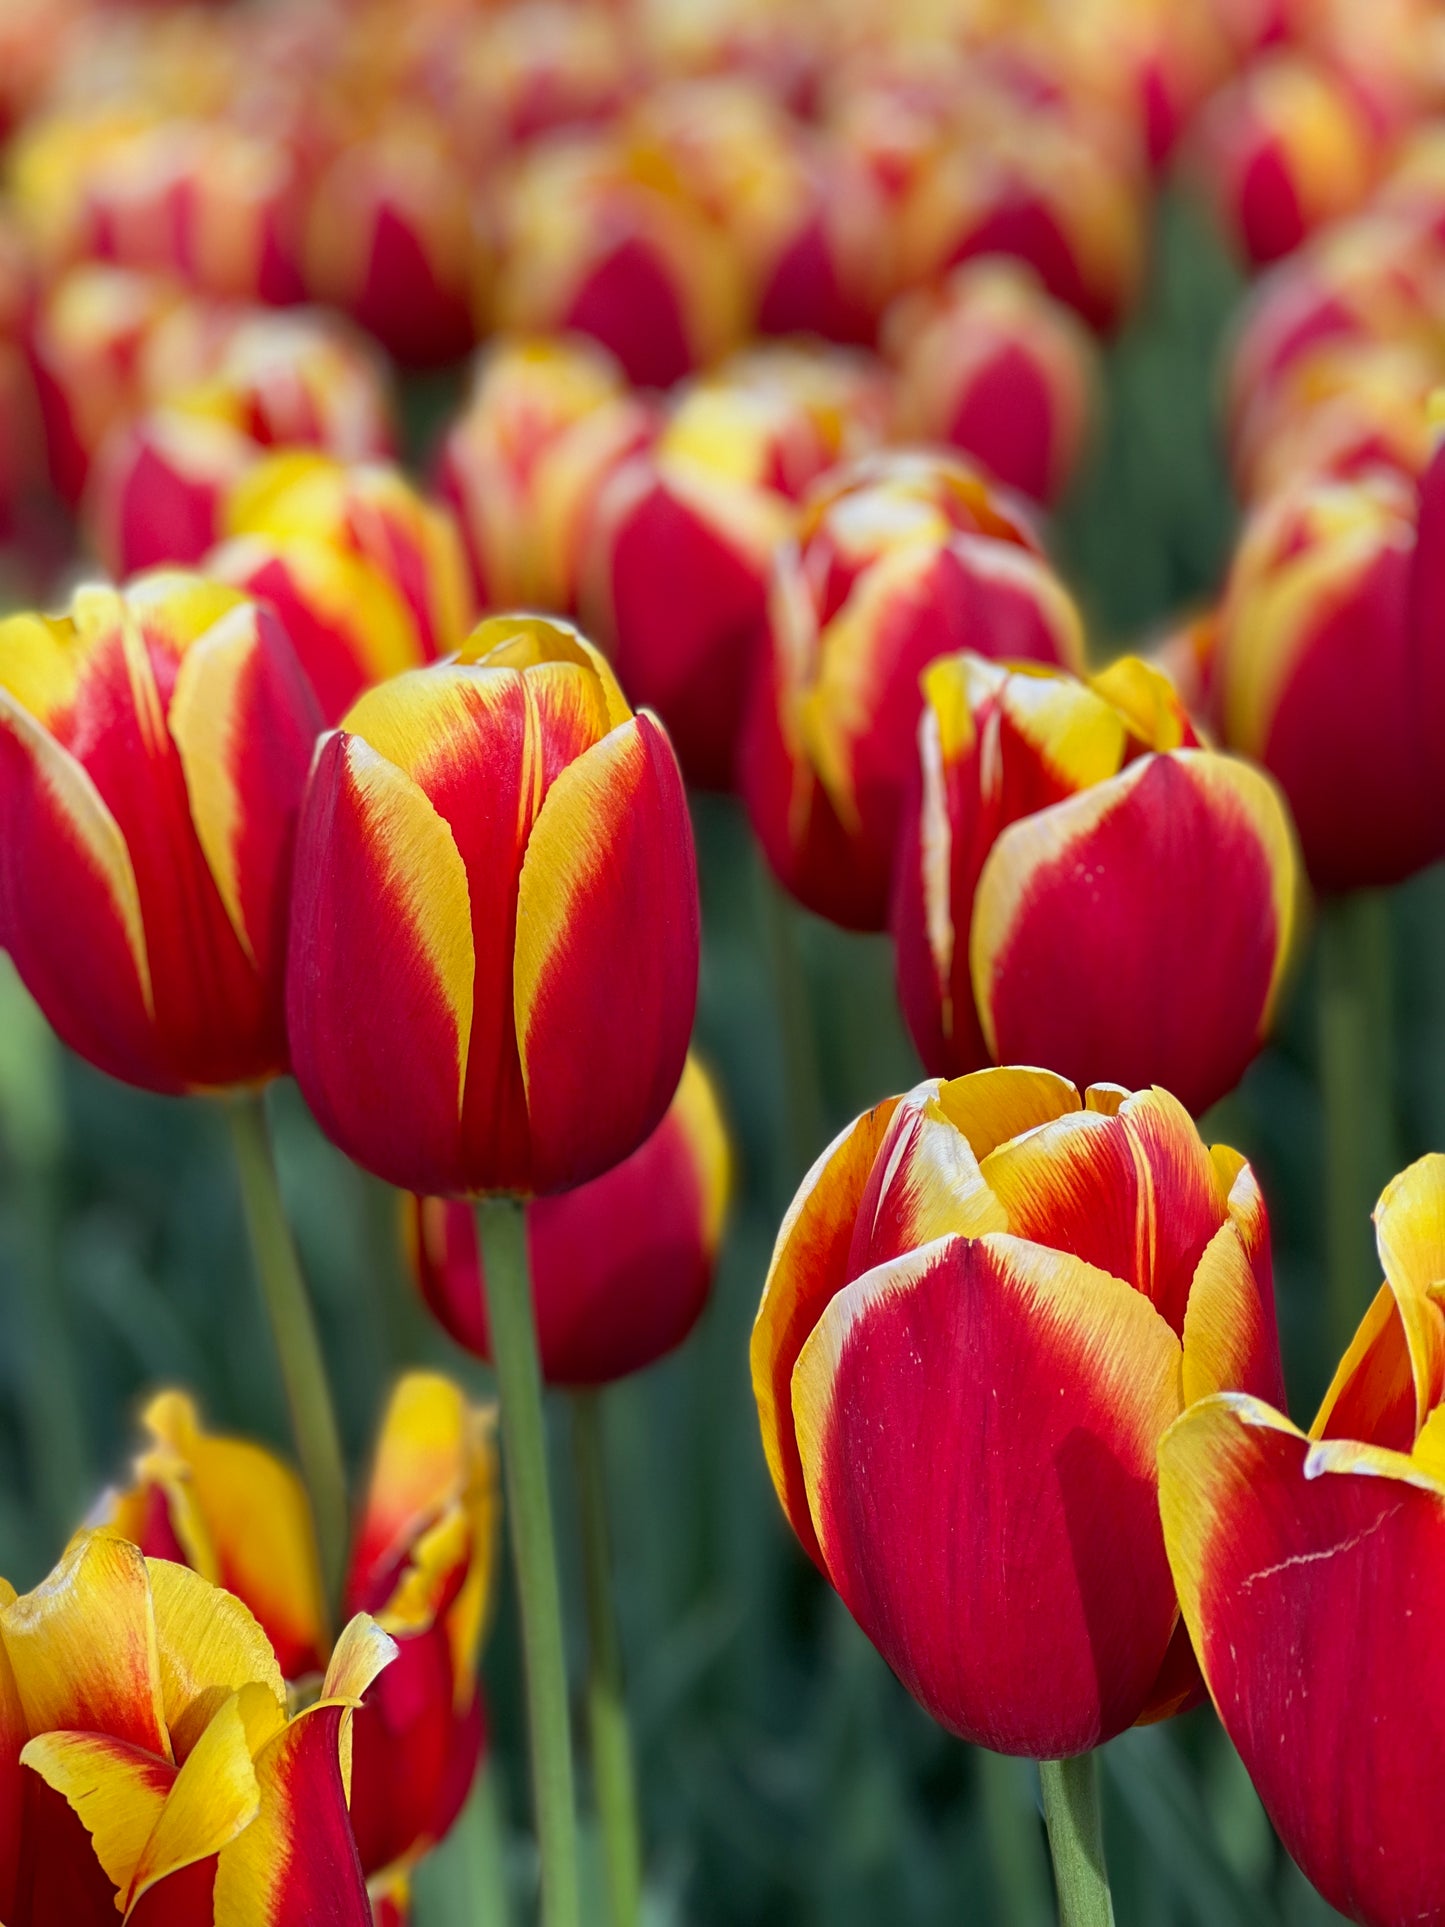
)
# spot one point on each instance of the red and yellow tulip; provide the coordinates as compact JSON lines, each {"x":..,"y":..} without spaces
{"x":1328,"y":670}
{"x":986,"y":1305}
{"x":149,"y":1765}
{"x":990,"y":365}
{"x":1308,"y":1567}
{"x":494,"y":929}
{"x":621,"y":1268}
{"x":154,"y":744}
{"x":421,"y":1566}
{"x":1081,"y":884}
{"x":898,"y":560}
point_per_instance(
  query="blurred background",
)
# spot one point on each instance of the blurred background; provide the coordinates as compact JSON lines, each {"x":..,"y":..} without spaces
{"x":786,"y":1778}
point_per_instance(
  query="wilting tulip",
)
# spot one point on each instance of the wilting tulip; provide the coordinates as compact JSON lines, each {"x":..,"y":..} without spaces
{"x":1283,"y":149}
{"x":494,"y":927}
{"x":595,"y":242}
{"x":1310,"y":1571}
{"x":986,"y":1304}
{"x":620,"y":1268}
{"x":548,"y":419}
{"x":148,"y":1766}
{"x":154,"y":744}
{"x":1328,"y":671}
{"x":367,"y":576}
{"x":898,"y":561}
{"x":389,"y":241}
{"x":421,"y":1565}
{"x":1076,"y":873}
{"x":990,"y":365}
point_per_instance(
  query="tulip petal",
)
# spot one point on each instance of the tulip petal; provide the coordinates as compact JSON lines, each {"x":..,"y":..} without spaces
{"x":209,"y":1646}
{"x":117,"y":1791}
{"x":1139,"y":930}
{"x":215,"y":1796}
{"x":1028,"y":1611}
{"x":83,"y":1647}
{"x":925,"y":1184}
{"x":1302,"y":1572}
{"x":1410,"y":1231}
{"x":381,"y":922}
{"x":809,"y":1264}
{"x":611,"y":854}
{"x":1231,"y":1340}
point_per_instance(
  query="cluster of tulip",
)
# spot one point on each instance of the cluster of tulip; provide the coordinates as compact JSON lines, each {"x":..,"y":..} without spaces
{"x":292,"y":794}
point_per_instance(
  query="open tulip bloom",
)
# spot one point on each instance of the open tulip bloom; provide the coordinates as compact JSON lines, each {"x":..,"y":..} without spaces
{"x":1310,"y":1570}
{"x":1081,"y":884}
{"x":150,"y":1766}
{"x":422,"y":1557}
{"x":987,"y":1304}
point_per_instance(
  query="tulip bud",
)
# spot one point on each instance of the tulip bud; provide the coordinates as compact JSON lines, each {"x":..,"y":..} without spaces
{"x":154,"y":744}
{"x":1321,"y":1558}
{"x":546,"y":422}
{"x":898,"y":561}
{"x":495,"y":865}
{"x":989,"y":365}
{"x":593,"y":241}
{"x":987,"y":1303}
{"x":1074,"y":870}
{"x":1326,"y":674}
{"x":367,"y":576}
{"x":1283,"y":149}
{"x":389,"y":240}
{"x":621,"y":1267}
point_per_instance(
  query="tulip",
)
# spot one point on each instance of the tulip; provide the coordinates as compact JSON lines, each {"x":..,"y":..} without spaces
{"x":621,"y":1267}
{"x":1340,"y":410}
{"x":1283,"y":149}
{"x":368,"y":577}
{"x":148,"y":1765}
{"x":546,"y":423}
{"x":158,"y":489}
{"x":1326,"y":672}
{"x":421,"y":1564}
{"x":1075,"y":871}
{"x":989,"y":365}
{"x":154,"y":744}
{"x":389,"y":240}
{"x":488,"y":847}
{"x":897,"y":562}
{"x":1308,"y":1568}
{"x":987,"y":1303}
{"x":594,"y":241}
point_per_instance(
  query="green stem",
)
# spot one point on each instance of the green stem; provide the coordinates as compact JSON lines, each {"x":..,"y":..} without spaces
{"x":501,"y":1226}
{"x":1076,"y":1840}
{"x":1355,"y":1057}
{"x":1014,"y":1848}
{"x":293,"y":1329}
{"x":614,"y":1781}
{"x":802,"y":1092}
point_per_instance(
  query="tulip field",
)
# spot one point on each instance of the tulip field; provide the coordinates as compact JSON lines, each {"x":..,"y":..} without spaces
{"x":722,"y":899}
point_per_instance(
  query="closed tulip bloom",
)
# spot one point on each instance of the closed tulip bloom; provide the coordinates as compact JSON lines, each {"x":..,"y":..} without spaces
{"x":154,"y":744}
{"x":367,"y":576}
{"x":547,"y":420}
{"x":1076,"y":873}
{"x":148,"y":1764}
{"x":1310,"y":1570}
{"x":990,"y":365}
{"x":986,"y":1305}
{"x":159,"y":486}
{"x":1327,"y":672}
{"x":621,"y":1268}
{"x":495,"y":865}
{"x":422,"y":1562}
{"x":897,"y":562}
{"x":1342,"y":409}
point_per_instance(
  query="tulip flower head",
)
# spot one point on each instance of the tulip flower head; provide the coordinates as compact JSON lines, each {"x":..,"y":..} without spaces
{"x":899,"y":560}
{"x":1318,"y":1562}
{"x":422,"y":1566}
{"x":1076,"y":872}
{"x":148,"y":1764}
{"x":621,"y":1268}
{"x":494,"y":928}
{"x":986,"y":1305}
{"x":154,"y":743}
